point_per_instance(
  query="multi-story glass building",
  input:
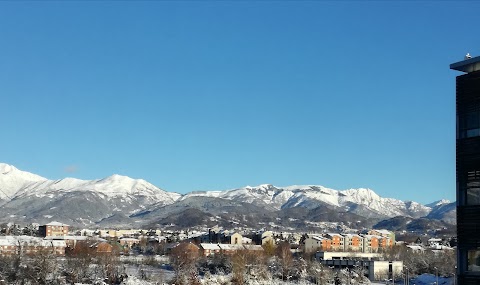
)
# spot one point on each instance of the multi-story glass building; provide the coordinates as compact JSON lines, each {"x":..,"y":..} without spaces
{"x":468,"y":170}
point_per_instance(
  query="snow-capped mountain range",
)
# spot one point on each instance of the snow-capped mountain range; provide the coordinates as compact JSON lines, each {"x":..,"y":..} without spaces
{"x":15,"y":183}
{"x":309,"y":196}
{"x":28,"y":197}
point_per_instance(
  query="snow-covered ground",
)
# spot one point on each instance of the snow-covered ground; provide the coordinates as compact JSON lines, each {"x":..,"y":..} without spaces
{"x":425,"y":279}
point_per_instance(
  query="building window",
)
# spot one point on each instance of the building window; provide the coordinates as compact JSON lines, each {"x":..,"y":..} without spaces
{"x":473,"y":187}
{"x":474,"y":260}
{"x":469,"y":125}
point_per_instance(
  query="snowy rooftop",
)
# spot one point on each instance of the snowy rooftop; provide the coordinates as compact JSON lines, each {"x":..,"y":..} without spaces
{"x":230,"y":246}
{"x":130,"y":239}
{"x":253,"y":247}
{"x":56,"y":224}
{"x":416,"y":247}
{"x":28,"y":240}
{"x":209,"y":246}
{"x":351,"y":235}
{"x":318,"y":238}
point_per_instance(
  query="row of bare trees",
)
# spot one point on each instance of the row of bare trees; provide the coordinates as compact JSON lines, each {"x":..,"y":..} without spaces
{"x":246,"y":266}
{"x":278,"y":263}
{"x":438,"y":262}
{"x":85,"y":265}
{"x":82,"y":265}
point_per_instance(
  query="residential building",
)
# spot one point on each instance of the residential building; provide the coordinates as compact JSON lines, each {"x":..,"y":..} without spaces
{"x":315,"y":243}
{"x":129,"y":242}
{"x":53,"y":229}
{"x":209,"y":249}
{"x":103,"y":247}
{"x":353,"y":242}
{"x":30,"y":245}
{"x":253,"y":247}
{"x":266,"y":237}
{"x":234,"y":238}
{"x":468,"y":170}
{"x":337,"y":241}
{"x":371,"y":243}
{"x":385,"y":234}
{"x":229,"y":248}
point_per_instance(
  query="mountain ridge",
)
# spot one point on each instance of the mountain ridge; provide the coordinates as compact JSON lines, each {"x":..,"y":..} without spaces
{"x":121,"y":194}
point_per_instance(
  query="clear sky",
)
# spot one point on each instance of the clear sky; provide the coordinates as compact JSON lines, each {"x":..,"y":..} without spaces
{"x":213,"y":95}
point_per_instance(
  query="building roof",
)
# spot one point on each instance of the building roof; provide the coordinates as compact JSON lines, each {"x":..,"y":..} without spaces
{"x":352,"y":236}
{"x":130,"y":239}
{"x":56,"y":224}
{"x":210,"y":246}
{"x":373,"y":236}
{"x":320,"y":238}
{"x":468,"y":65}
{"x":29,"y":241}
{"x":230,"y":246}
{"x":73,"y":238}
{"x":253,"y":247}
{"x":415,"y":247}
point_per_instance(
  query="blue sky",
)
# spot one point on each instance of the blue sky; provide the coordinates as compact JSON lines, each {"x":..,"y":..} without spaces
{"x":203,"y":95}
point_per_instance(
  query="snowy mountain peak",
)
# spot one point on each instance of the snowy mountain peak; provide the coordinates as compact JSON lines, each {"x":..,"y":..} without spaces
{"x":15,"y":183}
{"x":5,"y":168}
{"x":260,"y":187}
{"x":438,"y":203}
{"x":10,"y":170}
{"x":12,"y":180}
{"x":265,"y":186}
{"x":119,"y":177}
{"x":364,"y":193}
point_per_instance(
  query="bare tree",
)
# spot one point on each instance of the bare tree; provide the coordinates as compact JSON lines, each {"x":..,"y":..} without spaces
{"x":321,"y":275}
{"x":345,"y":276}
{"x":10,"y":268}
{"x":41,"y":266}
{"x":183,"y":259}
{"x":239,"y":263}
{"x":258,"y":266}
{"x":285,"y":256}
{"x":269,"y":248}
{"x":77,"y":267}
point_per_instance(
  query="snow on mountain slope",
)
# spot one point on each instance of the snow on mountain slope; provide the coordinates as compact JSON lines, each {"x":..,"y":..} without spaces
{"x":438,"y":203}
{"x":12,"y":180}
{"x":444,"y":210}
{"x":20,"y":190}
{"x":16,"y":183}
{"x":264,"y":194}
{"x":311,"y":196}
{"x":388,"y":206}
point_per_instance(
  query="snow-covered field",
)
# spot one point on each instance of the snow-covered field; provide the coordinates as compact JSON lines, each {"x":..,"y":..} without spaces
{"x":425,"y":279}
